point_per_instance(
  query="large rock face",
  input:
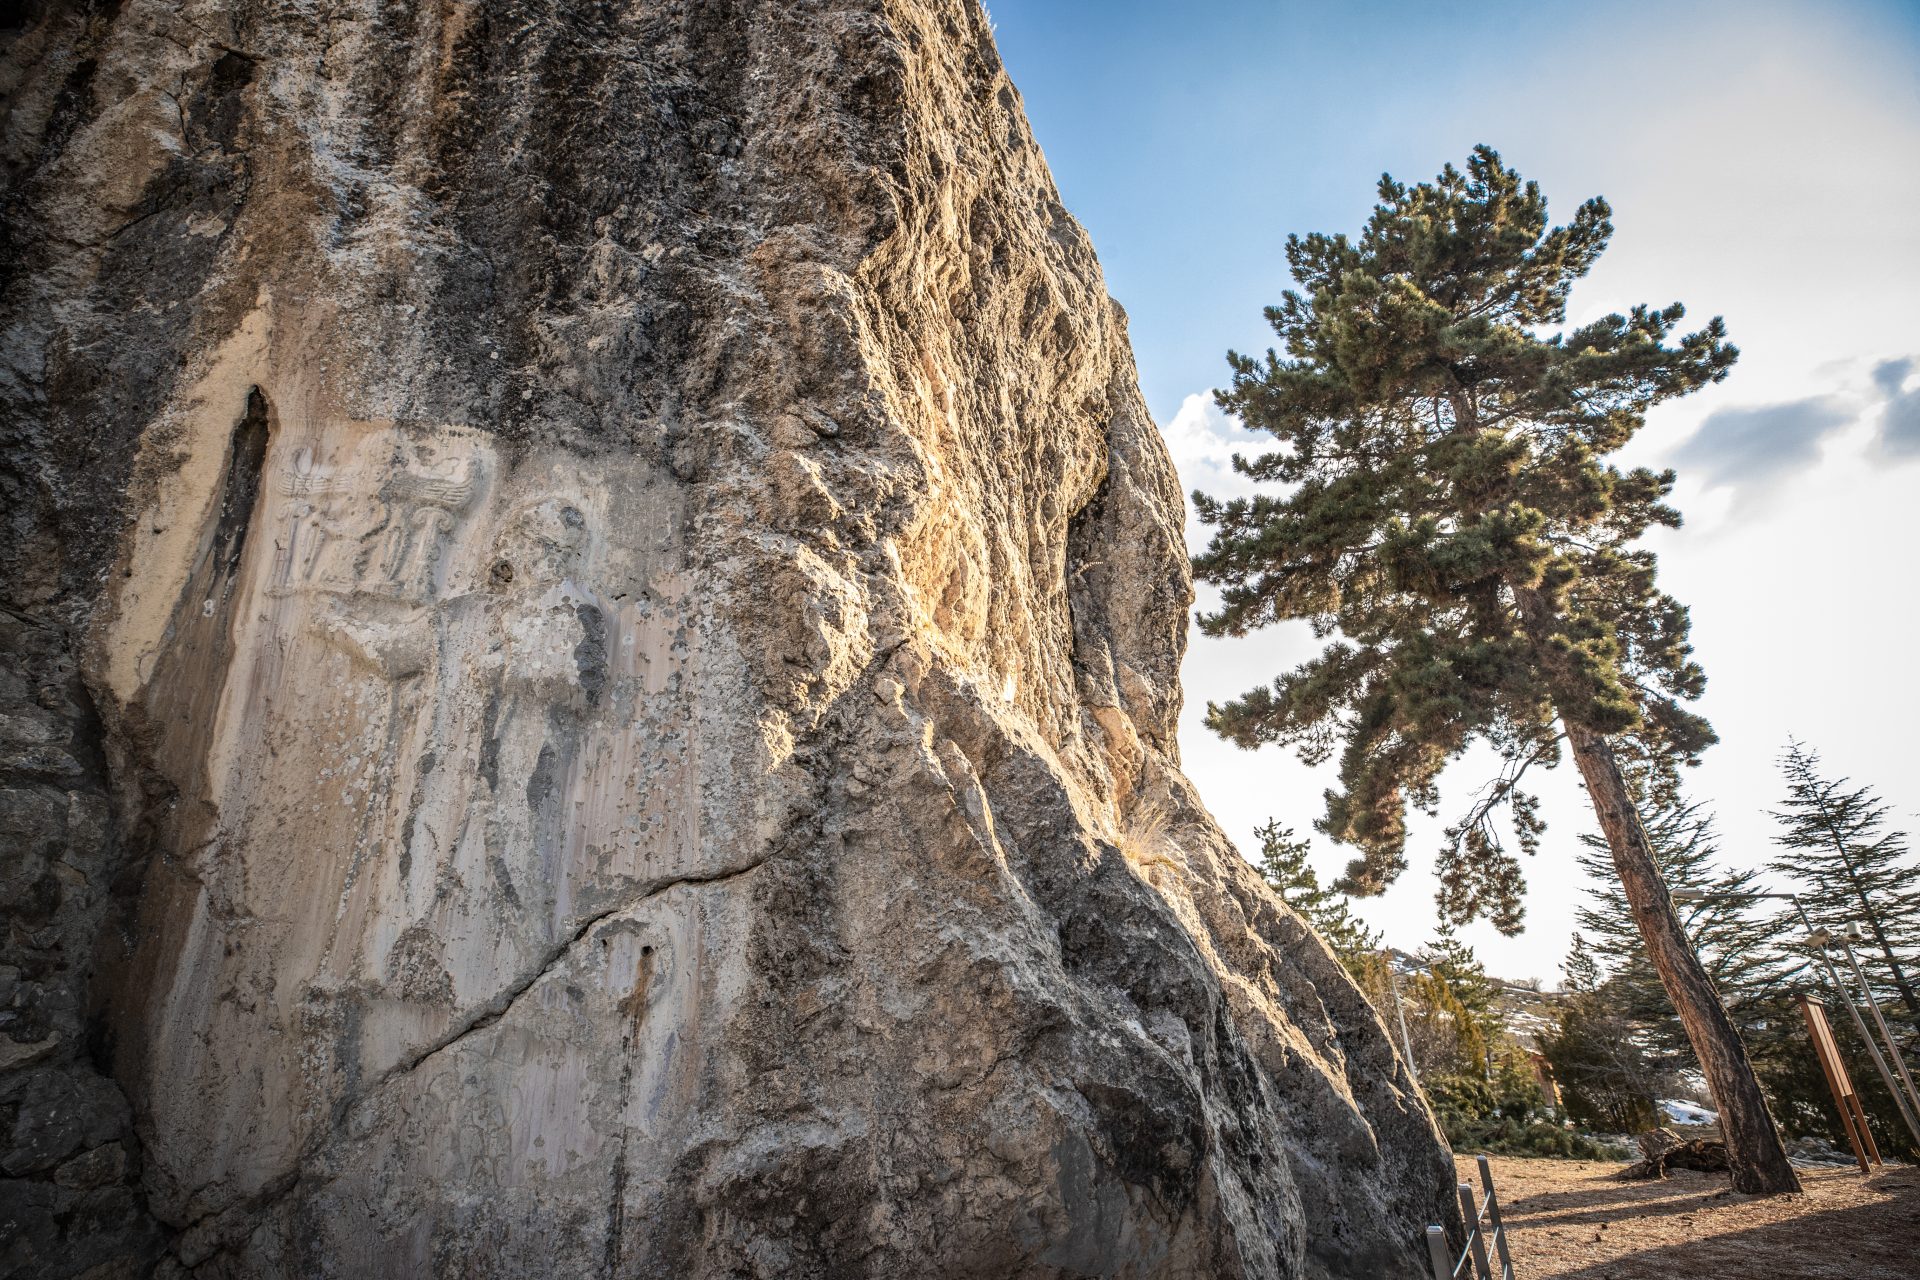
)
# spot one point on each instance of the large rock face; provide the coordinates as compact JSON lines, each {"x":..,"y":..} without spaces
{"x":591,"y":667}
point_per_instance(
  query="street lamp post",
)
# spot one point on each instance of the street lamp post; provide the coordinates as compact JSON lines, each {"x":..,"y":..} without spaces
{"x":1873,"y":1005}
{"x":1820,"y":939}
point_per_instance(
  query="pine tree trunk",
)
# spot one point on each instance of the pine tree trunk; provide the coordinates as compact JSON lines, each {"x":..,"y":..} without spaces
{"x":1754,"y":1148}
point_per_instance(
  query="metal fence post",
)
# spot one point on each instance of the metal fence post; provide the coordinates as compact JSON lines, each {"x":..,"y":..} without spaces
{"x":1476,"y":1243}
{"x":1437,"y":1253}
{"x":1493,"y":1220}
{"x":1473,"y":1263}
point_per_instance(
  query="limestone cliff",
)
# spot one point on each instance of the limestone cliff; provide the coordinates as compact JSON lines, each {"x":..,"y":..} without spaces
{"x":592,"y":628}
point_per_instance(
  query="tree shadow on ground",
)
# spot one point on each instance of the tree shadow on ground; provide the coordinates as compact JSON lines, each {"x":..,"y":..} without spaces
{"x":1865,"y":1242}
{"x":1615,"y":1192}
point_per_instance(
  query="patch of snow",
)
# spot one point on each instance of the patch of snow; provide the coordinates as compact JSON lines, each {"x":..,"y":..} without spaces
{"x":1683,"y":1112}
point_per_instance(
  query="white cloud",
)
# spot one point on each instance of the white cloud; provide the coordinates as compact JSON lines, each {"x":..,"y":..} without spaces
{"x":1203,"y":440}
{"x":1199,"y":436}
{"x":1748,"y":462}
{"x":1900,"y":414}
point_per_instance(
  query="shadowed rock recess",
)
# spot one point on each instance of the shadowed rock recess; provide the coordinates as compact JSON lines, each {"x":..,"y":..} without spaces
{"x":591,"y":642}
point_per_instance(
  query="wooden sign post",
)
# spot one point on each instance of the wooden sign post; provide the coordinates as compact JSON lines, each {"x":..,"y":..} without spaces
{"x":1852,"y":1118}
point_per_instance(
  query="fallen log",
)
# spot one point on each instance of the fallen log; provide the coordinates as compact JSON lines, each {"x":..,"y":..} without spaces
{"x":1664,"y":1151}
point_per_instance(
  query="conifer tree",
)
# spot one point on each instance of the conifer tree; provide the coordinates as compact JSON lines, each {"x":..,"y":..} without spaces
{"x":1847,"y":865}
{"x":1284,"y":865}
{"x":1454,"y":1040}
{"x":1605,"y":1078}
{"x":1755,"y":975}
{"x":1581,"y":969}
{"x":1454,"y":986}
{"x":1736,"y":946}
{"x":1452,"y":960}
{"x":1450,"y":513}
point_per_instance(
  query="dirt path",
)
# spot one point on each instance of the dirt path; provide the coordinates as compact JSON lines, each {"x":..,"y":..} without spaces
{"x":1571,"y":1220}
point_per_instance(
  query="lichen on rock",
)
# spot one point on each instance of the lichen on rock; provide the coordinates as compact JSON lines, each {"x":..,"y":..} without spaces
{"x":594,"y":617}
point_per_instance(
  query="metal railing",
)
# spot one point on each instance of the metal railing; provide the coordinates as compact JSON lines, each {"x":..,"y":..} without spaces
{"x":1483,"y":1228}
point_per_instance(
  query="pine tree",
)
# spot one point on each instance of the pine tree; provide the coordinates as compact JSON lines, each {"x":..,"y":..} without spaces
{"x":1581,"y":968}
{"x":1605,"y":1078}
{"x":1284,"y":865}
{"x":1847,"y":865}
{"x":1454,"y":1039}
{"x":1453,"y":988}
{"x":1736,"y":946}
{"x":1455,"y":963}
{"x":1450,"y":513}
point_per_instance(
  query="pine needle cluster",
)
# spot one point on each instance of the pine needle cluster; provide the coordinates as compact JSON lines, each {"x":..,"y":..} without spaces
{"x":1284,"y":865}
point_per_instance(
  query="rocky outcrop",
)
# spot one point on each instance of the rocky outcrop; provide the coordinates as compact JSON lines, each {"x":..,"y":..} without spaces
{"x":592,"y":640}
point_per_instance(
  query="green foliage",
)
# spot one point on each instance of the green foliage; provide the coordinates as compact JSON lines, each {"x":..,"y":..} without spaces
{"x":1452,"y":1036}
{"x":1443,"y":466}
{"x":1776,"y":1036}
{"x":1283,"y":863}
{"x":1737,"y":949}
{"x":1478,"y":1079}
{"x":1847,"y":865}
{"x":1620,"y":1041}
{"x":1606,"y":1079}
{"x":1453,"y":962}
{"x":1453,"y":1003}
{"x":1506,"y":1116}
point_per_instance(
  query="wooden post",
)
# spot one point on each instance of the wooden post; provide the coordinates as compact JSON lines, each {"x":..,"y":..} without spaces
{"x":1853,"y":1118}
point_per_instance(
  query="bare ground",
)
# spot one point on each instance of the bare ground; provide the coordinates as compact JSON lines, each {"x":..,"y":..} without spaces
{"x":1574,"y":1220}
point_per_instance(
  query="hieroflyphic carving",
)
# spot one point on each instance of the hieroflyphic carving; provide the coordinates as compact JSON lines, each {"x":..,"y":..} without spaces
{"x":364,"y":528}
{"x":374,"y":527}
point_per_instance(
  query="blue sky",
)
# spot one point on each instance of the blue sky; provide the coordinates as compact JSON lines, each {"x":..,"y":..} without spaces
{"x":1763,"y":161}
{"x":1190,"y":139}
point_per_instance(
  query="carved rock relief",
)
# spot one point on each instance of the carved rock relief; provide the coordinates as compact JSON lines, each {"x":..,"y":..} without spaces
{"x":530,"y":1112}
{"x":459,"y":721}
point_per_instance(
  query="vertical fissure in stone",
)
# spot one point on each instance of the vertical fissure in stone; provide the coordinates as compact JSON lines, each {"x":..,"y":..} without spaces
{"x":635,"y":1007}
{"x":184,"y":691}
{"x":1086,"y":603}
{"x":246,"y":459}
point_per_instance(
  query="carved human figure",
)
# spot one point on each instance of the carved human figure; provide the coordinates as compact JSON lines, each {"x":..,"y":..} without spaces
{"x":425,"y":495}
{"x":545,"y":677}
{"x":353,"y":524}
{"x":538,"y":669}
{"x":368,"y":537}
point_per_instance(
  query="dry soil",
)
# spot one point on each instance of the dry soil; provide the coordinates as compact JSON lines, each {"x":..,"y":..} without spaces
{"x":1575,"y":1220}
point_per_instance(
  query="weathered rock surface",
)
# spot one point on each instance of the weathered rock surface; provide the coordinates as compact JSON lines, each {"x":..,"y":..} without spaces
{"x":591,"y":644}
